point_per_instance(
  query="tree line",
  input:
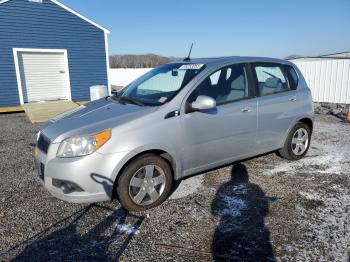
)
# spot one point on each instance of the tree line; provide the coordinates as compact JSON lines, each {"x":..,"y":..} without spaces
{"x":138,"y":61}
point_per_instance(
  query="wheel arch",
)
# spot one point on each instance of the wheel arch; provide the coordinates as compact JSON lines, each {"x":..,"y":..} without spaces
{"x":170,"y":158}
{"x":304,"y":119}
{"x":308,"y":121}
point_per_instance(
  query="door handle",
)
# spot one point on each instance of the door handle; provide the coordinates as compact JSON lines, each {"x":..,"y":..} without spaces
{"x":293,"y":99}
{"x":62,"y":71}
{"x":246,"y":109}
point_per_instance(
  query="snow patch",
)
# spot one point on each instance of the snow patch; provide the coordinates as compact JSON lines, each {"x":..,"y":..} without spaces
{"x":127,"y":229}
{"x":327,"y":156}
{"x":233,"y":204}
{"x":327,"y":227}
{"x":187,"y":187}
{"x":330,"y":160}
{"x":240,"y":189}
{"x":309,"y":196}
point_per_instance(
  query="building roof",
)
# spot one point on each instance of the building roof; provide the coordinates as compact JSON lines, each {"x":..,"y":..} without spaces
{"x":73,"y":12}
{"x":340,"y":55}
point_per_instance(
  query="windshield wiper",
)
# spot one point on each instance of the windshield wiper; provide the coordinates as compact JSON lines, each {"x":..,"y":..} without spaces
{"x":131,"y":100}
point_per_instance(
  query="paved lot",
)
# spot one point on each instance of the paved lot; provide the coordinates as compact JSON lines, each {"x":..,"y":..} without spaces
{"x":263,"y":209}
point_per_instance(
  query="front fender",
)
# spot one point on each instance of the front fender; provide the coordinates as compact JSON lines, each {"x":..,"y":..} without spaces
{"x":144,"y":149}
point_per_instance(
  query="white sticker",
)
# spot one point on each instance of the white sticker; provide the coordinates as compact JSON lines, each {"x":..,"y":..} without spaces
{"x":162,"y":99}
{"x":191,"y":66}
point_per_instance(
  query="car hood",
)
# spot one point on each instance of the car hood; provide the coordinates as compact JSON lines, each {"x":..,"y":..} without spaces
{"x":93,"y":117}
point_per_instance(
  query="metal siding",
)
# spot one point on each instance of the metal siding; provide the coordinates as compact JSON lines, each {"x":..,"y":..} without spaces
{"x":346,"y":81}
{"x":25,"y":24}
{"x":338,"y":77}
{"x":328,"y":79}
{"x":321,"y":92}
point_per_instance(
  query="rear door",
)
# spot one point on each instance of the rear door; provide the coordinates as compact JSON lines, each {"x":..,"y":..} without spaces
{"x":277,"y":104}
{"x":226,"y":132}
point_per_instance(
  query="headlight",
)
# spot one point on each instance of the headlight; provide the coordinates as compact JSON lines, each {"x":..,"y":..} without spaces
{"x":83,"y":145}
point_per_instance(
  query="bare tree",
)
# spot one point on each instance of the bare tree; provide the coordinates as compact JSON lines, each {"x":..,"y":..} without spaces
{"x":138,"y":61}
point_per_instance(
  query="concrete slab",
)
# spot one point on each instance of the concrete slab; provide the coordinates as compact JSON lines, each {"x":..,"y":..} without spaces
{"x":82,"y":102}
{"x":43,"y":111}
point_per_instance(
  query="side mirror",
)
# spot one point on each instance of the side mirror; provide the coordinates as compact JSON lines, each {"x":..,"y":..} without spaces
{"x":203,"y":102}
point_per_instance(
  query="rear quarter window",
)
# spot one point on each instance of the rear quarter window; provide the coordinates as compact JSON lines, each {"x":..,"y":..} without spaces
{"x":292,"y":77}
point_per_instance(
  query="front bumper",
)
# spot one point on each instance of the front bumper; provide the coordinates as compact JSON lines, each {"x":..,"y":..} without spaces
{"x":92,"y":173}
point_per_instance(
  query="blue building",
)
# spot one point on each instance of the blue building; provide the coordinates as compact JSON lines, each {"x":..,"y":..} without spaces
{"x":49,"y":52}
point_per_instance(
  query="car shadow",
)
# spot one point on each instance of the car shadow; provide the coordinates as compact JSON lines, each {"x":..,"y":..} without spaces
{"x":95,"y":232}
{"x":106,"y":183}
{"x":83,"y":236}
{"x":241,"y":234}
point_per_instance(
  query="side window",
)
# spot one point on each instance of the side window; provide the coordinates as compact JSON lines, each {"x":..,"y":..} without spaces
{"x":271,"y":79}
{"x":225,"y":85}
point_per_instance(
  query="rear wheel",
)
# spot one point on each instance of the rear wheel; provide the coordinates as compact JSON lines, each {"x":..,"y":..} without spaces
{"x":297,"y":143}
{"x":144,"y":183}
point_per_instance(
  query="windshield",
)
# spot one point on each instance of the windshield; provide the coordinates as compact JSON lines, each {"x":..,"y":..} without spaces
{"x":159,"y":85}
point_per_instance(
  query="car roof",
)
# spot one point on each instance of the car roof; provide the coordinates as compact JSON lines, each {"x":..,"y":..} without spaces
{"x":215,"y":61}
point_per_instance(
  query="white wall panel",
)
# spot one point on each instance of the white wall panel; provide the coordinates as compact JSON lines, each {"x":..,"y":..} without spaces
{"x":124,"y":76}
{"x":328,"y":79}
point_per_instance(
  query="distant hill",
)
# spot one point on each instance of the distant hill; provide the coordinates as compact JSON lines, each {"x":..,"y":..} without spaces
{"x":292,"y":57}
{"x":138,"y":61}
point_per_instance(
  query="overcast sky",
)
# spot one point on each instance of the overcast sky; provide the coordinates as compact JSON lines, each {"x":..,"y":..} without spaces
{"x":272,"y":28}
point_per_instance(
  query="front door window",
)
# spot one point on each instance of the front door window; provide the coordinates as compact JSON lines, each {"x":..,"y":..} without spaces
{"x":225,"y":85}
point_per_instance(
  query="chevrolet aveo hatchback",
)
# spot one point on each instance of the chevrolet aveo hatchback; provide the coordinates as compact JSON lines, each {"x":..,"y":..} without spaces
{"x":179,"y":119}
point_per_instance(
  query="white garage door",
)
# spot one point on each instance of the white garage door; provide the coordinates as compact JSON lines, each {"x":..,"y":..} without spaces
{"x":43,"y":76}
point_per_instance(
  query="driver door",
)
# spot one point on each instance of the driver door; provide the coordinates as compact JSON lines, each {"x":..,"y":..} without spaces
{"x":227,"y":132}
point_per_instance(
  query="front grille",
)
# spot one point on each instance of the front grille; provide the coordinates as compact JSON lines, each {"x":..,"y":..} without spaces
{"x":43,"y":143}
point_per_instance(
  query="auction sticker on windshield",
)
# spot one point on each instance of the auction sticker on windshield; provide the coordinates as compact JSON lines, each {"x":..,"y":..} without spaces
{"x":191,"y":66}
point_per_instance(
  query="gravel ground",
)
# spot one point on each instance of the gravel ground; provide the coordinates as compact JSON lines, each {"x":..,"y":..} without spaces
{"x":260,"y":210}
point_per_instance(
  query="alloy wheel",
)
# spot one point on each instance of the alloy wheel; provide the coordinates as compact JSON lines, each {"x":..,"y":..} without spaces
{"x":147,"y":185}
{"x":300,"y":141}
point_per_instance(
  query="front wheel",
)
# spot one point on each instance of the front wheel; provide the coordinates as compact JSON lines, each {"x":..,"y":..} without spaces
{"x":297,"y":143}
{"x":144,"y":183}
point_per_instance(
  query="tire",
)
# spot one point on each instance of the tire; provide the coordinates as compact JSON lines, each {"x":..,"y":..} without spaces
{"x":137,"y":190}
{"x":289,"y":150}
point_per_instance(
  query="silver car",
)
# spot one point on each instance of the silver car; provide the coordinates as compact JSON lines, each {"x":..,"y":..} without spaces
{"x":179,"y":119}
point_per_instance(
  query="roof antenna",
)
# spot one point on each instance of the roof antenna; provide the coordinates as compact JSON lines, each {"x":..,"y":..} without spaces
{"x":188,"y":58}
